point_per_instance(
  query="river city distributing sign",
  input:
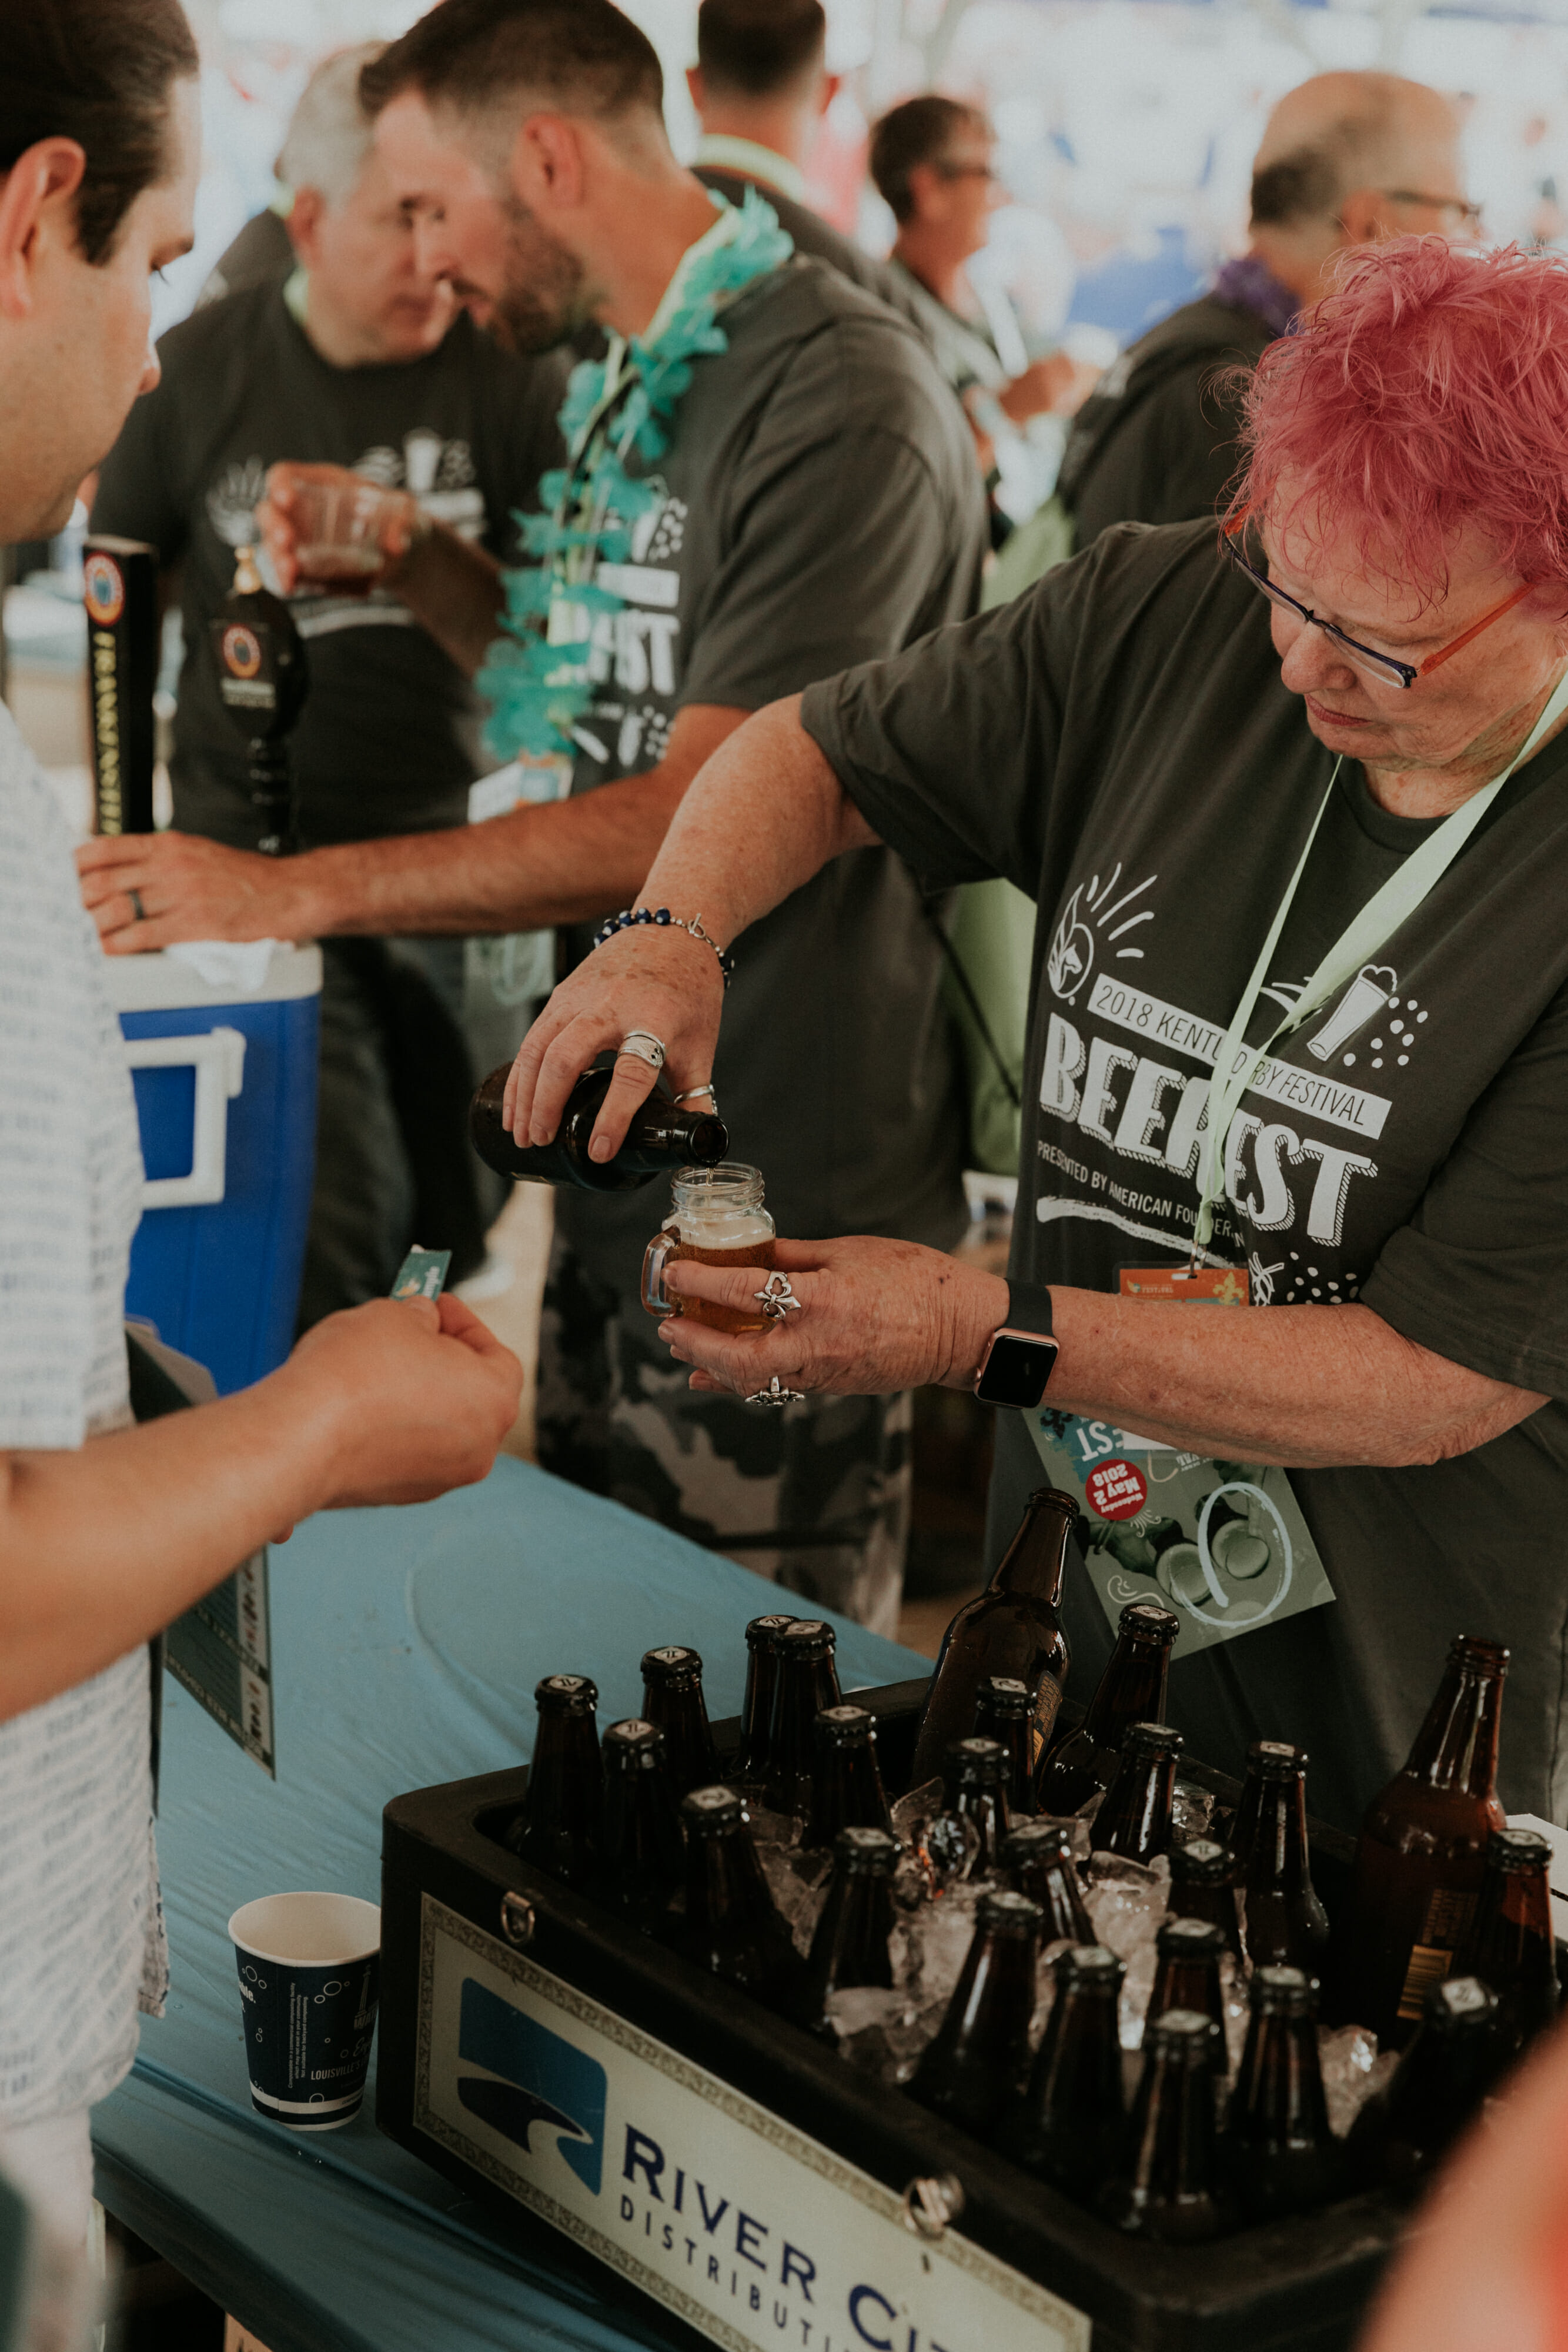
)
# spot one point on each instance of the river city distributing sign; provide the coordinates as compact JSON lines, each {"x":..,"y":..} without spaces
{"x":754,"y":2233}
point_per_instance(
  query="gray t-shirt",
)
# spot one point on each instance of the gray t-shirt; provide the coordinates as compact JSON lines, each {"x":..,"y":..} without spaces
{"x":821,"y":506}
{"x":1118,"y":743}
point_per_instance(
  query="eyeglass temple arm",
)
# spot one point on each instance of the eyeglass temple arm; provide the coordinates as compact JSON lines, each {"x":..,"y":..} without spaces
{"x":1436,"y":661}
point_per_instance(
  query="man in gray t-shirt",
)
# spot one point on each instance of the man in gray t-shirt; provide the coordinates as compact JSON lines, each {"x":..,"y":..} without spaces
{"x":818,"y":504}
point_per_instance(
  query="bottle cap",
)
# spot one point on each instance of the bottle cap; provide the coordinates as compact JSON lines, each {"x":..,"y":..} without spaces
{"x":1090,"y":1964}
{"x":1142,"y":1622}
{"x":977,"y":1763}
{"x":1005,"y":1698}
{"x":1275,"y":1759}
{"x":1013,"y":1914}
{"x":1477,"y":1649}
{"x":1200,"y":1863}
{"x":673,"y":1668}
{"x":1039,"y":1841}
{"x":1284,"y":1992}
{"x":1190,"y":1939}
{"x":633,"y":1746}
{"x":806,"y":1637}
{"x":762,"y":1631}
{"x":566,"y":1694}
{"x":710,"y":1812}
{"x":866,"y":1852}
{"x":1459,"y":2005}
{"x":1152,"y":1740}
{"x":1183,"y":2037}
{"x":845,"y":1726}
{"x":1518,"y":1850}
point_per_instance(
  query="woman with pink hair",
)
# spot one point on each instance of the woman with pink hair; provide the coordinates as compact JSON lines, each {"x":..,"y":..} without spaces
{"x":1291,"y":797}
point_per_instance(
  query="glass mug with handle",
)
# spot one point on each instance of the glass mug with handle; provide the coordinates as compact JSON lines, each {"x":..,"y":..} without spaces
{"x":716,"y":1219}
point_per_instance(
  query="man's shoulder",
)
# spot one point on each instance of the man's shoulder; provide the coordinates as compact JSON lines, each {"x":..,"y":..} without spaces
{"x":1196,"y":333}
{"x":824,"y":327}
{"x":238,"y":324}
{"x":1135,"y":571}
{"x":817,"y":238}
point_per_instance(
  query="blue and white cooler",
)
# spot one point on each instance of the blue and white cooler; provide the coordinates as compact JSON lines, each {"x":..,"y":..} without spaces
{"x":222,"y":1040}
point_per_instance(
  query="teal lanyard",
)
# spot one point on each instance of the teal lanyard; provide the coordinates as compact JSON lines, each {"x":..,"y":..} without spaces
{"x":1237,"y":1065}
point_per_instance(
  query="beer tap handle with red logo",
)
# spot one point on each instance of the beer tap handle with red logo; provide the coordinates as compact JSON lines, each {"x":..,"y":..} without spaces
{"x":263,"y":678}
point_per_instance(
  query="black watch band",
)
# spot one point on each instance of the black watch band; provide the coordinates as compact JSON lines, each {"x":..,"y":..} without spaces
{"x":1029,"y":1308}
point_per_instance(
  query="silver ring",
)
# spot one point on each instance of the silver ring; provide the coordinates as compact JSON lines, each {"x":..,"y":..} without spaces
{"x":776,"y":1394}
{"x":644,"y":1047}
{"x":138,"y":911}
{"x":707,"y":1090}
{"x":775,"y":1298}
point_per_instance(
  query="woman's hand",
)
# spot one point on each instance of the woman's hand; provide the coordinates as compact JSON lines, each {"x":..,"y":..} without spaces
{"x":655,"y":978}
{"x":874,"y":1317}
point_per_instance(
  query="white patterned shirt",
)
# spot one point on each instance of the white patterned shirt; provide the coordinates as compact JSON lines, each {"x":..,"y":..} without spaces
{"x":80,"y":1932}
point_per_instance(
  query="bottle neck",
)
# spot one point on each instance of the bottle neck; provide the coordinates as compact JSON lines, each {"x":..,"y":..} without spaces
{"x":722,"y":1886}
{"x":1277,"y":1859}
{"x":1456,"y":1748}
{"x":1131,"y":1690}
{"x":1035,"y":1561}
{"x":1173,"y":2130}
{"x":995,"y":1998}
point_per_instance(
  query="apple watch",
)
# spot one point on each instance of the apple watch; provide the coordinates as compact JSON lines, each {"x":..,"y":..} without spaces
{"x":1018,"y":1355}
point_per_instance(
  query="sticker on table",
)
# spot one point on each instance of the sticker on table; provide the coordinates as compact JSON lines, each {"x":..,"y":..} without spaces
{"x":221,"y":1651}
{"x":1222,"y":1543}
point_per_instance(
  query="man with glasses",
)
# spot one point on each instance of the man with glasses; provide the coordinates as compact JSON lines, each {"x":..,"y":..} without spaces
{"x":1346,"y":159}
{"x":1292,"y":802}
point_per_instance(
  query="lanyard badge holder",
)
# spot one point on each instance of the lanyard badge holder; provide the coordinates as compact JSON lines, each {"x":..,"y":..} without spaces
{"x":1225,"y":1543}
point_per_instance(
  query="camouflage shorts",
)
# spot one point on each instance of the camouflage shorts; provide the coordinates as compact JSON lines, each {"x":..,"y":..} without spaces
{"x":815,"y":1497}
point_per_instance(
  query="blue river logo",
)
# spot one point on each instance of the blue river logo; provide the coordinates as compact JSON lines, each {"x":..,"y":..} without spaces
{"x":549,"y":2089}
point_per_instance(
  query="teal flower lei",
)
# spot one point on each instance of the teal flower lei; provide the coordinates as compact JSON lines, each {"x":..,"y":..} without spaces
{"x":536,"y":677}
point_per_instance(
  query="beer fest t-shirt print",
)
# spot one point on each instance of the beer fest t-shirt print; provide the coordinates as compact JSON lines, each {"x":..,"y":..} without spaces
{"x":1118,"y":743}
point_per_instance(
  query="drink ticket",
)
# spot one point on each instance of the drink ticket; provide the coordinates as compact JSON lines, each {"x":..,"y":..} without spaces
{"x":422,"y":1274}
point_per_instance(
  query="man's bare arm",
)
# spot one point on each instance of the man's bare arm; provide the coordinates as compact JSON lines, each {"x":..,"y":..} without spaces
{"x":565,"y":862}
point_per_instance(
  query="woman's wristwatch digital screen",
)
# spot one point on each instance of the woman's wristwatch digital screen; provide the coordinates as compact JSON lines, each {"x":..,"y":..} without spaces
{"x":1021,"y":1355}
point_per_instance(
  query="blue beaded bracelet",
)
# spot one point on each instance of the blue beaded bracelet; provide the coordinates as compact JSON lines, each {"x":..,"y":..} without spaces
{"x":630,"y":917}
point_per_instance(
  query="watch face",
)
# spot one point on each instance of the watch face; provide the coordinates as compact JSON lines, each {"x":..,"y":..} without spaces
{"x":1017,"y":1370}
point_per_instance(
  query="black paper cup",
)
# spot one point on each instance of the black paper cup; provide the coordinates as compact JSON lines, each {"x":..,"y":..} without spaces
{"x":309,"y":1969}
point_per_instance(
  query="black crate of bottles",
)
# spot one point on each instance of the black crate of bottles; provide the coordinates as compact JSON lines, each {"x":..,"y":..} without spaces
{"x":451,"y":1888}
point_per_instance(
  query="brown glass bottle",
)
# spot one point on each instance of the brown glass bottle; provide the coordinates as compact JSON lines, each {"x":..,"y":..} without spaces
{"x":1068,"y":2126}
{"x":1287,"y":2159}
{"x":1131,"y":1690}
{"x":1187,"y":1976}
{"x":964,"y":1841}
{"x":1201,"y":1888}
{"x":1286,"y":1926}
{"x":1400,"y":2137}
{"x":1037,"y":1860}
{"x":846,"y":1787}
{"x":1168,"y":2184}
{"x":263,"y":678}
{"x":642,"y":1848}
{"x":1135,"y":1821}
{"x":661,"y":1139}
{"x":851,"y":1943}
{"x":1013,"y":1628}
{"x":673,"y":1698}
{"x":730,"y":1924}
{"x":808,"y":1681}
{"x":557,"y":1827}
{"x":1510,"y":1944}
{"x":1005,"y":1712}
{"x":1421,"y":1855}
{"x":757,"y":1711}
{"x":971,"y":2072}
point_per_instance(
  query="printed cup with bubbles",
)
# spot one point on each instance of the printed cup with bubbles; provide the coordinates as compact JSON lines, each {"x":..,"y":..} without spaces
{"x":310,"y":1971}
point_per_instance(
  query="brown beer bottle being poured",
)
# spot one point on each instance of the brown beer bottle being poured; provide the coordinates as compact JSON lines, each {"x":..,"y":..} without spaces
{"x":642,"y":1848}
{"x":971,"y":2072}
{"x":851,"y":1946}
{"x":846,"y":1787}
{"x":557,"y":1827}
{"x":1168,"y":2185}
{"x":673,"y":1698}
{"x":1068,"y":2127}
{"x":1187,"y":1976}
{"x":1005,"y":1712}
{"x":731,"y":1925}
{"x":757,"y":1711}
{"x":1286,"y":1926}
{"x":1421,"y":1855}
{"x":1201,"y":1888}
{"x":1131,"y":1690}
{"x":808,"y":1681}
{"x":1288,"y":2160}
{"x":1135,"y":1821}
{"x":1037,"y":1860}
{"x":1510,"y":1944}
{"x":1013,"y":1628}
{"x":661,"y":1139}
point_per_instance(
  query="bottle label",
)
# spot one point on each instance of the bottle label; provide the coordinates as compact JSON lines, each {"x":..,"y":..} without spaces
{"x":1449,"y":1914}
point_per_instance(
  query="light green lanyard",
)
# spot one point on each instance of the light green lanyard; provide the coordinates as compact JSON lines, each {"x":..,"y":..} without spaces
{"x":1237,"y":1065}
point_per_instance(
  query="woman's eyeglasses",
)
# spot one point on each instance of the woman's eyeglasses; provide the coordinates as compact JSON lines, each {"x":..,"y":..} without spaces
{"x":1386,"y":668}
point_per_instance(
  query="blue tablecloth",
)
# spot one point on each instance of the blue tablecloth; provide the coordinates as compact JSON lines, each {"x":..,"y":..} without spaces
{"x":406,"y":1646}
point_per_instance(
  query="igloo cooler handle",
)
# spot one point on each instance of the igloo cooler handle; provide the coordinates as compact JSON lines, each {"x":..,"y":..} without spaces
{"x":218,"y":1058}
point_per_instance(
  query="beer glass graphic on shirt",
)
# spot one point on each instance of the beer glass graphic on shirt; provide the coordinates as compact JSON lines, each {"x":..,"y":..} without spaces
{"x":1366,"y":997}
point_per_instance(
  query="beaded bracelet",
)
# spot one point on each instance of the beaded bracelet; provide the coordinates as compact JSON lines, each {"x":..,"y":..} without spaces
{"x":630,"y":917}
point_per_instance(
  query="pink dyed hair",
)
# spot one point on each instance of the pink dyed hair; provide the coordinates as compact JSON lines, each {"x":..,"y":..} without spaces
{"x":1428,"y":391}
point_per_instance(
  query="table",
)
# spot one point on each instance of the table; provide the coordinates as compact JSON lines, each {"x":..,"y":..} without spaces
{"x":406,"y":1645}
